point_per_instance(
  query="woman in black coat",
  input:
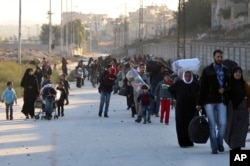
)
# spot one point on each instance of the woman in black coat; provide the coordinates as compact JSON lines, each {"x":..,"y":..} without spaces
{"x":31,"y":91}
{"x":185,"y":91}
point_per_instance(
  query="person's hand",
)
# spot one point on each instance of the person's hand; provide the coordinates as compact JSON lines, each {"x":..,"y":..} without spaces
{"x":198,"y":107}
{"x":221,"y":91}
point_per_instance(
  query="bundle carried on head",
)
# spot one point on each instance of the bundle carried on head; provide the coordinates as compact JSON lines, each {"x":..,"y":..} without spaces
{"x":182,"y":65}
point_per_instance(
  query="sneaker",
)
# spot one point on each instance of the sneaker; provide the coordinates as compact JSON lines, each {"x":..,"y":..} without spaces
{"x":166,"y":123}
{"x":221,"y":148}
{"x":214,"y":151}
{"x":149,"y":121}
{"x":144,"y":122}
{"x":100,"y":114}
{"x":106,"y":116}
{"x":161,"y":120}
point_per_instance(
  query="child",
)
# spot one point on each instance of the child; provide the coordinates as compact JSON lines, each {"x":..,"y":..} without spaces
{"x":144,"y":100}
{"x":60,"y":102}
{"x":9,"y":97}
{"x":162,"y":93}
{"x":66,"y":87}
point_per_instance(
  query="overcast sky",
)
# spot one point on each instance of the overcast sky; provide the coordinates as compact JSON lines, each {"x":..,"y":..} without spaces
{"x":35,"y":11}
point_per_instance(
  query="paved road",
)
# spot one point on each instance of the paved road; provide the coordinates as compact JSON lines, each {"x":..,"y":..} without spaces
{"x":81,"y":138}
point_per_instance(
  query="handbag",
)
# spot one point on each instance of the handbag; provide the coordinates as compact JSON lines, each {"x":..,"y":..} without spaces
{"x":123,"y":91}
{"x":198,"y":129}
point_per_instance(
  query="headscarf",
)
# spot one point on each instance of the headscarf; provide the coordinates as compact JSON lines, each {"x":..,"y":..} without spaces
{"x":238,"y":91}
{"x":26,"y":77}
{"x":184,"y":80}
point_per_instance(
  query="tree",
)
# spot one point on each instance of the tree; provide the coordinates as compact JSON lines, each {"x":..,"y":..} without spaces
{"x":44,"y":35}
{"x":76,"y":33}
{"x":197,"y":15}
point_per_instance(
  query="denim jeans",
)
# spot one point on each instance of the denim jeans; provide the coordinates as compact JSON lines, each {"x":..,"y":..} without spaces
{"x":105,"y":98}
{"x":146,"y":113}
{"x":217,"y":114}
{"x":9,"y":108}
{"x":49,"y":105}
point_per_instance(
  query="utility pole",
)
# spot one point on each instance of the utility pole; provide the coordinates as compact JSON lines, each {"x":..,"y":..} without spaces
{"x":141,"y":28}
{"x":50,"y":28}
{"x":67,"y":31}
{"x":125,"y":32}
{"x":181,"y":36}
{"x":19,"y":32}
{"x":71,"y":29}
{"x":61,"y":33}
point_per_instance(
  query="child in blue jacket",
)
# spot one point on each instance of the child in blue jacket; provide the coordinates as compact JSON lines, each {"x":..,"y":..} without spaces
{"x":9,"y":97}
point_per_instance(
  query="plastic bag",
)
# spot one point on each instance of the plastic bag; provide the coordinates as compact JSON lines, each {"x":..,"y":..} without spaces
{"x":136,"y":80}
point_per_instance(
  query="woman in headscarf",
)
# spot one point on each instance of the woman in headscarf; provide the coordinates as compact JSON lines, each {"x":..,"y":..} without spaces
{"x":238,"y":110}
{"x":31,"y":91}
{"x":185,"y":91}
{"x":38,"y":73}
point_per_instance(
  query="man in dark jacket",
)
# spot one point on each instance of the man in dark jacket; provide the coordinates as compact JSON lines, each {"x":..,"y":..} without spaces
{"x":213,"y":96}
{"x":107,"y":80}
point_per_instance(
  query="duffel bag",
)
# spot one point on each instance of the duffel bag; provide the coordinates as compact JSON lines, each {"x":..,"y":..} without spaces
{"x":198,"y":130}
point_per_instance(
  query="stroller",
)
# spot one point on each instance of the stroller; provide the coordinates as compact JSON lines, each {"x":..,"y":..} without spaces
{"x":40,"y":105}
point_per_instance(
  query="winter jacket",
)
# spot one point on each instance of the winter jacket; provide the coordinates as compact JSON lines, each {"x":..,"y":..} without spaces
{"x":107,"y":81}
{"x":9,"y":96}
{"x":161,"y":91}
{"x":209,"y":87}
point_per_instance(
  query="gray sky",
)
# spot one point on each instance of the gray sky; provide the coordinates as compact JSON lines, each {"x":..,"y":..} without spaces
{"x":35,"y":11}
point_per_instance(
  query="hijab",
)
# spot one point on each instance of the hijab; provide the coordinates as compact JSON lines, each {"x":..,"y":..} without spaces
{"x":26,"y":77}
{"x":184,"y":80}
{"x":238,"y":91}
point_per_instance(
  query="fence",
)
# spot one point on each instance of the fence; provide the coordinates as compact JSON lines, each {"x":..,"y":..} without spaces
{"x":203,"y":51}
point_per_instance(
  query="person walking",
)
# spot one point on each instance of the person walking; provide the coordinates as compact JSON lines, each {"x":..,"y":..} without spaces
{"x":62,"y":98}
{"x":185,"y":91}
{"x":107,"y":80}
{"x":145,"y":99}
{"x":79,"y":75}
{"x":162,"y":94}
{"x":31,"y":91}
{"x":214,"y":88}
{"x":66,"y":86}
{"x":64,"y":66}
{"x":145,"y":78}
{"x":238,"y":110}
{"x":9,"y":97}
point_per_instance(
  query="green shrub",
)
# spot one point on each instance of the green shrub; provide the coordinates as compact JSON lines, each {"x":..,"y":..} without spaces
{"x":11,"y":71}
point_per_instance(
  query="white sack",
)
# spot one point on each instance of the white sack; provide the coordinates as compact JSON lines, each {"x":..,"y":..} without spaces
{"x":181,"y":65}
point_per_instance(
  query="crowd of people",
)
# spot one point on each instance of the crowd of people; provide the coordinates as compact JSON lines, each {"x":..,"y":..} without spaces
{"x":221,"y":93}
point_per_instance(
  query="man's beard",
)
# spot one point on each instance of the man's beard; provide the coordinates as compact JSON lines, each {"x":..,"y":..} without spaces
{"x":218,"y":62}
